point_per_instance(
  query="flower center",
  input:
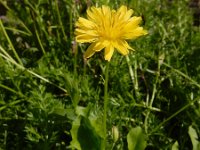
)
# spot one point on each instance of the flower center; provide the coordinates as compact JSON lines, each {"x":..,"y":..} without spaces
{"x":109,"y":33}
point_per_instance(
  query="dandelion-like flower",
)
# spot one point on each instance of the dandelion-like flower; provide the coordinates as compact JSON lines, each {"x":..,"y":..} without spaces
{"x":108,"y":29}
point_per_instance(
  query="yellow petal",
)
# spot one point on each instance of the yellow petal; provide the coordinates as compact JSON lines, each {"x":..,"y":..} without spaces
{"x":121,"y":12}
{"x":88,"y":32}
{"x":139,"y":31}
{"x":128,"y":15}
{"x":107,"y":18}
{"x":106,"y":10}
{"x":127,"y":45}
{"x":132,"y":23}
{"x":121,"y":46}
{"x":98,"y":15}
{"x":94,"y":47}
{"x":90,"y":15}
{"x":99,"y":46}
{"x":90,"y":51}
{"x":122,"y":9}
{"x":85,"y":24}
{"x":94,"y":14}
{"x":121,"y":18}
{"x":84,"y":38}
{"x":108,"y":52}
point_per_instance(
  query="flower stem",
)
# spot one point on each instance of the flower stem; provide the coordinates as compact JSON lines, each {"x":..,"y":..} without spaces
{"x":105,"y":105}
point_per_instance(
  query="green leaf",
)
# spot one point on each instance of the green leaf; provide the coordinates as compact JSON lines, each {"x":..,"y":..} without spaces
{"x":97,"y":123}
{"x":194,"y":138}
{"x":136,"y":139}
{"x":60,"y":111}
{"x":175,"y":146}
{"x":74,"y":132}
{"x":83,"y":111}
{"x":84,"y":135}
{"x":32,"y":134}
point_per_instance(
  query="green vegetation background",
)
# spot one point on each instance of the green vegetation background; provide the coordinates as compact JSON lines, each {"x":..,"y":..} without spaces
{"x":50,"y":98}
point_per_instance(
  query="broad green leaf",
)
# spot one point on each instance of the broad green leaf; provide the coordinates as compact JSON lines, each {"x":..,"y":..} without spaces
{"x":194,"y":138}
{"x":97,"y":124}
{"x":83,"y":111}
{"x":84,"y":135}
{"x":175,"y":146}
{"x":74,"y":132}
{"x":59,"y":111}
{"x":136,"y":139}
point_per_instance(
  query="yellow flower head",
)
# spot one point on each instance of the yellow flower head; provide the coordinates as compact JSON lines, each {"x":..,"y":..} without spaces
{"x":109,"y":29}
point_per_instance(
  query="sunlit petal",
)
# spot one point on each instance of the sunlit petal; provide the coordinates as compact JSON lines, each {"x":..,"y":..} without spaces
{"x":121,"y":47}
{"x":132,"y":23}
{"x":90,"y":51}
{"x":84,"y":38}
{"x":109,"y":52}
{"x":99,"y":46}
{"x":84,"y":23}
{"x":139,"y":31}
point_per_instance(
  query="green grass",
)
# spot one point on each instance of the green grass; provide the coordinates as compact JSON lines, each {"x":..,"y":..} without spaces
{"x":50,"y":98}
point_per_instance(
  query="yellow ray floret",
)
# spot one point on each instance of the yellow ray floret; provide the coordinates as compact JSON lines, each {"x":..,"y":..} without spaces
{"x":108,"y":29}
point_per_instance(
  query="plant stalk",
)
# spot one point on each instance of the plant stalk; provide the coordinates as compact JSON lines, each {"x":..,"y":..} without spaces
{"x":105,"y":105}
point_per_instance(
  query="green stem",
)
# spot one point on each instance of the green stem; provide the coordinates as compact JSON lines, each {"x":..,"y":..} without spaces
{"x":11,"y":90}
{"x":75,"y":50}
{"x":60,"y":21}
{"x":18,"y":20}
{"x":71,"y":15}
{"x":11,"y":104}
{"x":5,"y":53}
{"x":29,"y":71}
{"x":40,"y":43}
{"x":173,"y":115}
{"x":18,"y":31}
{"x":184,"y":75}
{"x":10,"y":43}
{"x":105,"y":105}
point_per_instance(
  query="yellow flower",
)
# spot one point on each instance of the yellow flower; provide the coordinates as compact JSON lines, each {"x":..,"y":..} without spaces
{"x":109,"y":29}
